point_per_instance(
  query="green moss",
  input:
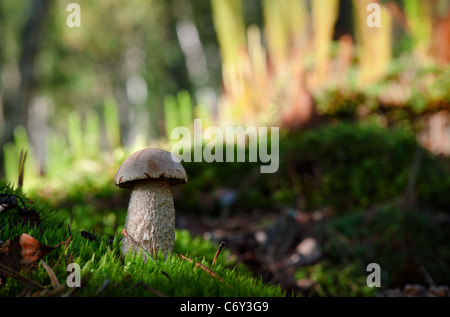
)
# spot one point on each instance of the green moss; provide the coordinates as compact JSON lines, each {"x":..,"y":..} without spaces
{"x":343,"y":166}
{"x":403,"y":242}
{"x":101,"y":260}
{"x":337,"y":280}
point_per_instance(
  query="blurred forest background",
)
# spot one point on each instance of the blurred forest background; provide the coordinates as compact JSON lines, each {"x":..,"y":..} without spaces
{"x":364,"y":117}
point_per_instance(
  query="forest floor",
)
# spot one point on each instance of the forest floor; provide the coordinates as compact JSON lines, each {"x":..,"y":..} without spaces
{"x":275,"y":247}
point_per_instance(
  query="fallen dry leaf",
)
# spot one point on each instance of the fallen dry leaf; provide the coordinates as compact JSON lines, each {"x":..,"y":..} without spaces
{"x":22,"y":252}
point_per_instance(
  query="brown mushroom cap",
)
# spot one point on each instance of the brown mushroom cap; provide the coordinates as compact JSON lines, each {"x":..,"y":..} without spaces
{"x":149,"y":164}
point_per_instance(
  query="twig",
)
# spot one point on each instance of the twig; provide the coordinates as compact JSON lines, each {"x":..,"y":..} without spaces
{"x":132,"y":286}
{"x":64,"y":242}
{"x":56,"y":291}
{"x":427,"y":276}
{"x":185,"y":258}
{"x":154,"y":291}
{"x":126,"y":235}
{"x":17,"y":276}
{"x":147,"y":287}
{"x":202,"y":266}
{"x":52,"y":275}
{"x":104,"y":286}
{"x":70,"y":234}
{"x":26,"y":291}
{"x":66,"y":246}
{"x":22,"y":158}
{"x":219,"y":249}
{"x":125,"y":279}
{"x":155,"y":250}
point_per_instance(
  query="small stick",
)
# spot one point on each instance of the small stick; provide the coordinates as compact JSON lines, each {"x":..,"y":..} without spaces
{"x":126,"y":235}
{"x":427,"y":276}
{"x":104,"y":286}
{"x":26,"y":291}
{"x":219,"y":249}
{"x":56,"y":291}
{"x":70,"y":235}
{"x":133,"y":286}
{"x":22,"y":158}
{"x":51,"y":274}
{"x":201,"y":266}
{"x":208,"y":270}
{"x":185,"y":258}
{"x":147,"y":287}
{"x":15,"y":275}
{"x":154,"y":291}
{"x":155,"y":250}
{"x":66,"y":243}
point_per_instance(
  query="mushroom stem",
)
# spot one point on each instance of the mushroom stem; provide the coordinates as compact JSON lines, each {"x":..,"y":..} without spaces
{"x":151,"y":217}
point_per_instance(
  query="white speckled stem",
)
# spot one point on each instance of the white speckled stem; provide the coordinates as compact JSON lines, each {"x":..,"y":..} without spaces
{"x":151,"y":217}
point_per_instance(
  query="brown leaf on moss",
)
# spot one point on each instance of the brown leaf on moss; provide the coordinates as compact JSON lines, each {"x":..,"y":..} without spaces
{"x":22,"y":252}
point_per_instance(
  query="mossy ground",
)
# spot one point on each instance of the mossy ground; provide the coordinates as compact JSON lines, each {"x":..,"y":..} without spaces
{"x":105,"y":272}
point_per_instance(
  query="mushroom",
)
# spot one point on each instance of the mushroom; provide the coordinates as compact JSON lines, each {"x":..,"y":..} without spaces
{"x":150,"y":219}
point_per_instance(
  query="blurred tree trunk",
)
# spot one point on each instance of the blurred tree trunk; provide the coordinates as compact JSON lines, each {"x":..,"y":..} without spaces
{"x":16,"y":105}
